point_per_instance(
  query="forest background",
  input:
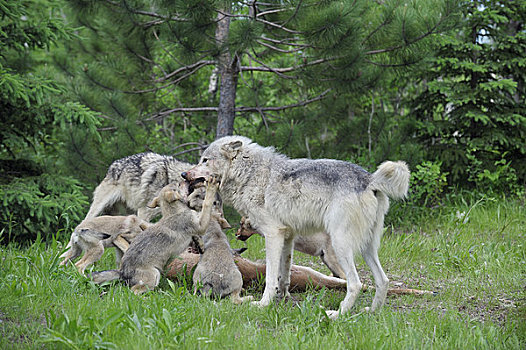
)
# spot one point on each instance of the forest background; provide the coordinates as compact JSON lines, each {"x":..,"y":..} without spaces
{"x":439,"y":84}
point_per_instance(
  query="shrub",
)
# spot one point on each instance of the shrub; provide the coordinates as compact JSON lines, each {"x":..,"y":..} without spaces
{"x":42,"y":205}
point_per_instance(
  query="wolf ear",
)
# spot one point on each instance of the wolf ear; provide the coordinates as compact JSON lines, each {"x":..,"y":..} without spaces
{"x":230,"y":150}
{"x":154,"y":203}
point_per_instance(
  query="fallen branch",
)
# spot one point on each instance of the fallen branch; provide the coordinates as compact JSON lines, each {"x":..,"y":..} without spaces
{"x":300,"y":276}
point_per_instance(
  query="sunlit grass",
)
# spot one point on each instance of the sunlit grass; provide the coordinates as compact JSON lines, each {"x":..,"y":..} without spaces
{"x":475,"y":262}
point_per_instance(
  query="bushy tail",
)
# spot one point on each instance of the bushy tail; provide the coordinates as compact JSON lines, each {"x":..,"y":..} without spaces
{"x":392,"y":179}
{"x":105,"y":276}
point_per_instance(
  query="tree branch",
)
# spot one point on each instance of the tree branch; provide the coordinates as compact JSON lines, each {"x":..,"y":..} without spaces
{"x":197,"y":64}
{"x":146,"y":13}
{"x":280,"y":108}
{"x":265,"y":68}
{"x":240,"y":109}
{"x":278,"y":49}
{"x":407,"y":42}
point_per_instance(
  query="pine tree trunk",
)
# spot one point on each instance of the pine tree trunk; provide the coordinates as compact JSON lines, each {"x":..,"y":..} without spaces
{"x":228,"y":70}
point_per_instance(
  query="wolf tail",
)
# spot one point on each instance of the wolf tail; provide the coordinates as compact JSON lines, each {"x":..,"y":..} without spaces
{"x":392,"y":179}
{"x":105,"y":276}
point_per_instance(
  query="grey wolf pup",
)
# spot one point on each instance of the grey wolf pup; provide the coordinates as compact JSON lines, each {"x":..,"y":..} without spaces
{"x":149,"y":252}
{"x":216,"y":272}
{"x":316,"y":244}
{"x":91,"y":236}
{"x":134,"y":181}
{"x":286,"y":197}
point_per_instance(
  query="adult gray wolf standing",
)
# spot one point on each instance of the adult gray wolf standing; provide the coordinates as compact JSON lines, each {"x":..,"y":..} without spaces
{"x":285,"y":197}
{"x":134,"y":181}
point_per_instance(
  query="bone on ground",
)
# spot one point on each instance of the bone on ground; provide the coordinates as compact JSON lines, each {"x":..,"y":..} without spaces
{"x":300,"y":276}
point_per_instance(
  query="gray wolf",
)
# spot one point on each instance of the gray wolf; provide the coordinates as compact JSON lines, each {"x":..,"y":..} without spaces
{"x":91,"y":236}
{"x":316,"y":244}
{"x":216,"y":272}
{"x":286,"y":197}
{"x":134,"y":181}
{"x":149,"y":252}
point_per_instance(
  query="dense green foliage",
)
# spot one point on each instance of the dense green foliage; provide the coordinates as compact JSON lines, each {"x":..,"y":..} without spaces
{"x":37,"y":199}
{"x":151,"y":68}
{"x":440,"y":84}
{"x":472,"y":112}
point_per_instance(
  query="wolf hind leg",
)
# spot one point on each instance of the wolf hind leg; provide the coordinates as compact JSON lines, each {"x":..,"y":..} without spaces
{"x":370,"y":255}
{"x":145,"y":280}
{"x":284,"y":267}
{"x":104,"y":197}
{"x":343,"y":247}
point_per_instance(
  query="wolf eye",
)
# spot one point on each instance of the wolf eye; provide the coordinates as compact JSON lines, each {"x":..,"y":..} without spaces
{"x":204,"y":160}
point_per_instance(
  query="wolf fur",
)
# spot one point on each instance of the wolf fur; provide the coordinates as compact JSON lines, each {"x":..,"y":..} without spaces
{"x":134,"y":181}
{"x":316,"y":244}
{"x":150,"y":251}
{"x":91,"y":236}
{"x":216,"y":272}
{"x":286,"y":197}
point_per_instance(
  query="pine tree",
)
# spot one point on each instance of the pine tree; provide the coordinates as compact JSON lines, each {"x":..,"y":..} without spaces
{"x":473,"y":109}
{"x":36,"y":196}
{"x":199,"y":59}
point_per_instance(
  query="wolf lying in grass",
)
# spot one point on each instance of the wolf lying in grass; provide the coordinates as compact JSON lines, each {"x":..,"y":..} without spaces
{"x":91,"y":236}
{"x":150,"y":251}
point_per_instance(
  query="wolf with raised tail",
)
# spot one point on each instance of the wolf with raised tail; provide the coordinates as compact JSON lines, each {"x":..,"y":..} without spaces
{"x":286,"y":197}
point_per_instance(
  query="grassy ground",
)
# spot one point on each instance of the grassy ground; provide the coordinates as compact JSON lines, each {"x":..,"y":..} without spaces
{"x":472,"y":254}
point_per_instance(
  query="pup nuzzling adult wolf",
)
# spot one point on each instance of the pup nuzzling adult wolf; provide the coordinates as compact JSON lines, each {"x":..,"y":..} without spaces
{"x":149,"y":252}
{"x":286,"y":197}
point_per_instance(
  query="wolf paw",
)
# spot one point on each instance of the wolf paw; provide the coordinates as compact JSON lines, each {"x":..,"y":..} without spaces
{"x":332,"y":314}
{"x":212,"y":181}
{"x":260,"y":303}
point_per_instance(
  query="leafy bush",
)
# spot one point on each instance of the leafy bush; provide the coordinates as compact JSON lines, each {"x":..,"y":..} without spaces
{"x":42,"y":205}
{"x":427,"y":184}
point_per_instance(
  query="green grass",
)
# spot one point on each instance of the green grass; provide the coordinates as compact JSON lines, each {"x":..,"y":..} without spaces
{"x":475,"y":263}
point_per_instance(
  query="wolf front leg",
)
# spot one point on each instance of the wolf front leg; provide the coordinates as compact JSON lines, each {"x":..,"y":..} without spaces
{"x":208,"y":202}
{"x":274,"y":242}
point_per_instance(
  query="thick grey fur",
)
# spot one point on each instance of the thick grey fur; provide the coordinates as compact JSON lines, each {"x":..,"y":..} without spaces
{"x":149,"y":252}
{"x":286,"y":197}
{"x":135,"y":180}
{"x":217,"y":273}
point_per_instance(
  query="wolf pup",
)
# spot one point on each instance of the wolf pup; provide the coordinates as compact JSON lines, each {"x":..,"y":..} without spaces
{"x":150,"y":251}
{"x":286,"y":197}
{"x":216,"y":272}
{"x":91,"y":236}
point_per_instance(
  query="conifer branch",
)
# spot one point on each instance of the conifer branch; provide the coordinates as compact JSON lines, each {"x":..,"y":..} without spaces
{"x":277,"y":48}
{"x":198,"y":64}
{"x":275,"y":25}
{"x":280,"y":108}
{"x":286,"y":41}
{"x":146,"y":13}
{"x":239,"y":109}
{"x":280,"y":71}
{"x":407,"y":42}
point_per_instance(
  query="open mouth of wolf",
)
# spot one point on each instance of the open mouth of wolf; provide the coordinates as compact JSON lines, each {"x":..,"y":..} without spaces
{"x":195,"y":183}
